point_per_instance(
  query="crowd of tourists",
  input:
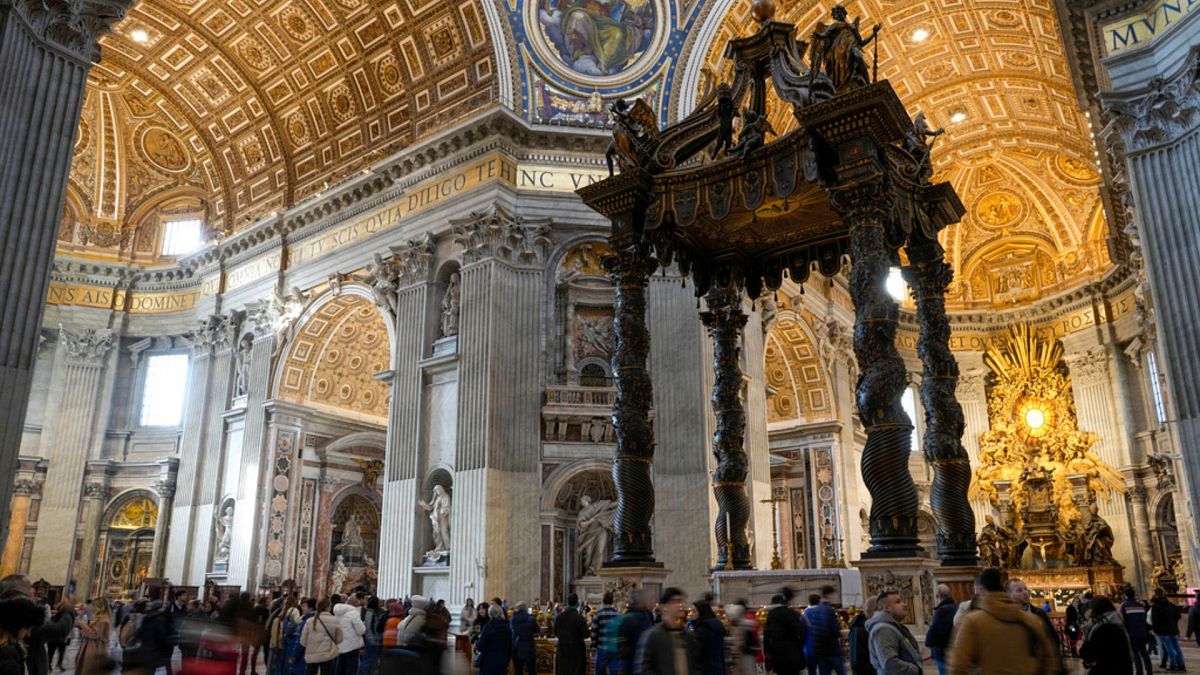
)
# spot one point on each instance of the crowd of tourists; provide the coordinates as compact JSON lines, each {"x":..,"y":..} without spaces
{"x":997,"y":631}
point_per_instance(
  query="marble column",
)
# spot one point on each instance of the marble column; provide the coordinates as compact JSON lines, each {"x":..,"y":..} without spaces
{"x":1144,"y":544}
{"x":497,"y":461}
{"x":758,"y":450}
{"x":413,"y":263}
{"x":95,"y":496}
{"x":725,"y":320}
{"x":1157,"y":115}
{"x":894,"y":502}
{"x":23,"y":490}
{"x":164,"y":487}
{"x":78,"y":377}
{"x":972,"y":396}
{"x":46,"y":49}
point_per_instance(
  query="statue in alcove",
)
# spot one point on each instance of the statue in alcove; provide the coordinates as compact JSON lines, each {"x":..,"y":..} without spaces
{"x":595,"y":526}
{"x":242,"y":379}
{"x":224,"y":532}
{"x":450,"y":303}
{"x":438,"y":508}
{"x":337,"y":576}
{"x":352,"y":541}
{"x":1094,"y":540}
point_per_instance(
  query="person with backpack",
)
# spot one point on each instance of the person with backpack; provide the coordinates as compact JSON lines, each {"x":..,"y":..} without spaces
{"x":284,"y":627}
{"x":998,"y":638}
{"x":1105,"y":649}
{"x":1164,"y":619}
{"x":321,"y":636}
{"x":785,"y":635}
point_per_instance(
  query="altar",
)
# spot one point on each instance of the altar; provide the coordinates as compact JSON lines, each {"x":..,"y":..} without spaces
{"x":757,"y":586}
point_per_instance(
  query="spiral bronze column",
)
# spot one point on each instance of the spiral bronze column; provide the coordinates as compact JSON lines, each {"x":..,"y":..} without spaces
{"x":629,"y":267}
{"x":725,"y":321}
{"x":930,"y":276}
{"x":882,"y":375}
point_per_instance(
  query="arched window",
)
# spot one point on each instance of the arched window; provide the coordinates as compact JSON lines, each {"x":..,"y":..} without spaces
{"x":593,"y":375}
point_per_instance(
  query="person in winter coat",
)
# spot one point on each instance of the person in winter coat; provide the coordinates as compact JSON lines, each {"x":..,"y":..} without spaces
{"x":668,"y":649}
{"x":495,"y":644}
{"x":1133,"y":615}
{"x":1164,"y":618}
{"x":860,"y":641}
{"x":710,"y":637}
{"x":374,"y":619}
{"x":153,"y":642}
{"x":321,"y":638}
{"x":92,"y":658}
{"x":634,"y":623}
{"x":894,"y":650}
{"x":1105,"y":649}
{"x":571,"y":629}
{"x":784,"y":635}
{"x":745,"y":648}
{"x":937,"y":638}
{"x":1193,"y":625}
{"x":63,"y":622}
{"x":524,"y":632}
{"x":825,"y":634}
{"x":18,"y":615}
{"x":1000,"y":638}
{"x":349,"y":617}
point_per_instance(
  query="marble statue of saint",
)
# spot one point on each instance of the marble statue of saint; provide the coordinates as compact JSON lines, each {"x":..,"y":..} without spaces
{"x":991,"y":544}
{"x":450,"y":306}
{"x":224,"y":524}
{"x":351,"y":535}
{"x":595,"y":525}
{"x":1177,"y":572}
{"x":439,"y":517}
{"x":1094,"y":540}
{"x":242,"y":381}
{"x":337,"y":576}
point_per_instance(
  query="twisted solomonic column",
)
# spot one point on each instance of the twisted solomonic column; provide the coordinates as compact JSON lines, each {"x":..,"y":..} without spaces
{"x":930,"y":276}
{"x":630,"y":266}
{"x":881,"y":382}
{"x":725,"y":321}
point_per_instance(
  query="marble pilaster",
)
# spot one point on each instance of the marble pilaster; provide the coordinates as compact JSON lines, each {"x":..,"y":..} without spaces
{"x":46,"y":50}
{"x":1157,"y":117}
{"x":1144,"y":544}
{"x":95,"y":496}
{"x":164,"y":487}
{"x":413,"y":263}
{"x":23,"y":489}
{"x":80,"y":372}
{"x":499,"y":407}
{"x":758,"y":482}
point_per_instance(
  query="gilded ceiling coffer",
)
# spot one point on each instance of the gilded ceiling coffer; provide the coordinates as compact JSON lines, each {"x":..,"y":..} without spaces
{"x":737,"y":214}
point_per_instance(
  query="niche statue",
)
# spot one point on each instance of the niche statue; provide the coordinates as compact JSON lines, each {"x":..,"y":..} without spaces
{"x":450,"y":303}
{"x":595,"y":525}
{"x":438,"y":508}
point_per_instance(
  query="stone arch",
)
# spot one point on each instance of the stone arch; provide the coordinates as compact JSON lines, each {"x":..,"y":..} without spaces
{"x":795,"y":370}
{"x":338,"y":345}
{"x":126,"y":543}
{"x":1164,"y":527}
{"x":563,"y":474}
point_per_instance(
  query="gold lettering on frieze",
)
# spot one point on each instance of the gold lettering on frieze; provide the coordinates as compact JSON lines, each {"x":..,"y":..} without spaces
{"x":556,"y":179}
{"x":253,"y":270}
{"x":158,"y":303}
{"x":80,"y":296}
{"x":210,"y":285}
{"x":1144,"y":27}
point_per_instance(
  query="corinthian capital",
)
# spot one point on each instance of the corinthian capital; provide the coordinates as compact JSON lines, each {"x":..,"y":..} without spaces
{"x":25,"y":487}
{"x":73,"y":26}
{"x":218,"y":331}
{"x":495,"y":233}
{"x":1161,"y":113}
{"x":1089,"y":366}
{"x":413,"y":260}
{"x":86,"y":346}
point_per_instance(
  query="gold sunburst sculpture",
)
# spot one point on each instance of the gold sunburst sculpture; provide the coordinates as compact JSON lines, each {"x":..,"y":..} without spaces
{"x":1031,"y":411}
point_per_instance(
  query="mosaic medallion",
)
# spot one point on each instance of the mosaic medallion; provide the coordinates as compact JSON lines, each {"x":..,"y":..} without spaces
{"x":163,"y":150}
{"x":598,"y":42}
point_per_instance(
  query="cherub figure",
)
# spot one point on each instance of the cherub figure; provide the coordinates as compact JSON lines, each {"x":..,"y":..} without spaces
{"x":755,"y":128}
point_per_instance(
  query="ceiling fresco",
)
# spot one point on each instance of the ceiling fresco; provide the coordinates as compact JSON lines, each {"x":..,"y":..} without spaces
{"x":1017,"y":148}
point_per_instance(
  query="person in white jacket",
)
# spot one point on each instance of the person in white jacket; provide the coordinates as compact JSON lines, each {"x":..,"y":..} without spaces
{"x":320,"y":639}
{"x":349,"y":616}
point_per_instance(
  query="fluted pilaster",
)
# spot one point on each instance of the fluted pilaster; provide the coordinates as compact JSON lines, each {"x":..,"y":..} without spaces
{"x":82,"y":358}
{"x":46,"y":49}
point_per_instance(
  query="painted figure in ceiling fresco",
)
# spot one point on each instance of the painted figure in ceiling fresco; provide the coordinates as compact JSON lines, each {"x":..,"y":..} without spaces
{"x":598,"y":37}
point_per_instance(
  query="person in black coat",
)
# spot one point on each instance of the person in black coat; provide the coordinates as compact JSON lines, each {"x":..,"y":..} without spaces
{"x":18,"y":614}
{"x":154,"y":644}
{"x":784,"y":635}
{"x":710,"y":635}
{"x":524,"y":633}
{"x":570,"y":658}
{"x":57,"y":634}
{"x":937,"y":638}
{"x":668,"y":649}
{"x":634,"y":623}
{"x":495,"y":644}
{"x":860,"y":640}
